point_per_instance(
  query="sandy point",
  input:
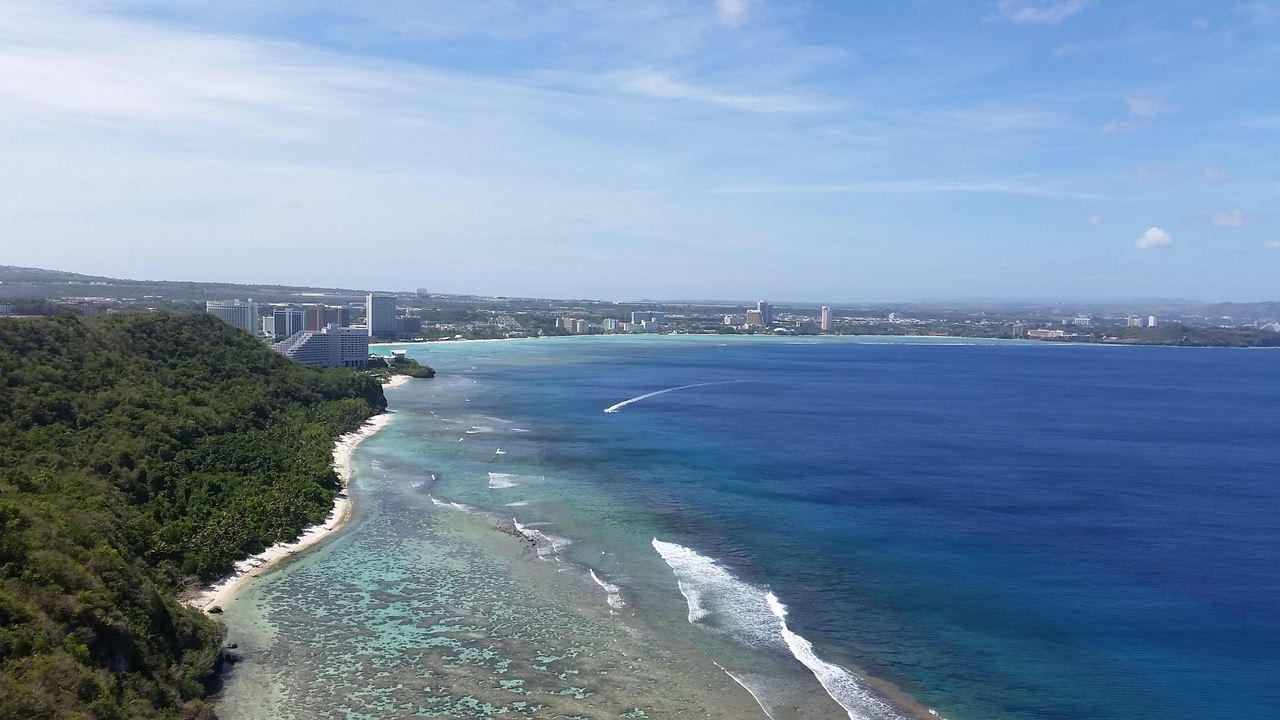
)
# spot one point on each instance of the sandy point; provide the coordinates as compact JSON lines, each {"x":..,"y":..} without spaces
{"x":225,"y":588}
{"x":396,"y":381}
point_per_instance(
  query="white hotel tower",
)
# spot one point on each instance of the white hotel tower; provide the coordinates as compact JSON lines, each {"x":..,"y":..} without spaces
{"x":243,"y":315}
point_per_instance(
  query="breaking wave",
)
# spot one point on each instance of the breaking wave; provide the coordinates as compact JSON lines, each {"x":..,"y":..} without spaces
{"x":548,"y":546}
{"x":754,"y":616}
{"x":614,"y":594}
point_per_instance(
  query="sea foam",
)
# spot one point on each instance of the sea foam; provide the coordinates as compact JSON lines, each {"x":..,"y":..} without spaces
{"x":754,"y":616}
{"x":548,"y":546}
{"x":498,"y":481}
{"x":614,"y":594}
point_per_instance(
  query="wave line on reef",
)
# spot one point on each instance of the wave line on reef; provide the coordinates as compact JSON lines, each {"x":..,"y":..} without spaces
{"x":638,"y":398}
{"x":721,"y":602}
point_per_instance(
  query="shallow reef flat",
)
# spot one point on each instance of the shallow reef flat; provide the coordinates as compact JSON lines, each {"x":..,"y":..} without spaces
{"x":442,"y":614}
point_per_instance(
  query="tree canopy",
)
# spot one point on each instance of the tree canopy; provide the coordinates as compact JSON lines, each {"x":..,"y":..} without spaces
{"x":140,"y":453}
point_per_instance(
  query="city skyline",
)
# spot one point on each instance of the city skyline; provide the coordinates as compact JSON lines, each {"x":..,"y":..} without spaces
{"x":1065,"y":149}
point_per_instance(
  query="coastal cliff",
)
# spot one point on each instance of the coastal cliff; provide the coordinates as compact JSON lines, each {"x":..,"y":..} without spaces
{"x":140,"y":453}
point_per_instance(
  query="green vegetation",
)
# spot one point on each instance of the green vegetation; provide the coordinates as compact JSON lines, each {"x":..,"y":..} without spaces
{"x":384,"y":368}
{"x":138,"y":454}
{"x":1191,"y":336}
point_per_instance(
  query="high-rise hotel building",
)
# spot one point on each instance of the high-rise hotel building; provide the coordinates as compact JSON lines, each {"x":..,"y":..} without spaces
{"x":766,"y":313}
{"x":825,"y":323}
{"x":331,"y":347}
{"x":243,"y":315}
{"x":380,"y":314}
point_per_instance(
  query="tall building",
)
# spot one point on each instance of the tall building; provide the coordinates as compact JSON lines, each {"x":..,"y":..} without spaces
{"x":330,"y":347}
{"x":656,"y":318}
{"x":243,"y":315}
{"x":408,"y":325}
{"x":269,"y":325}
{"x":754,"y":319}
{"x":766,"y":312}
{"x":380,"y":314}
{"x":1134,"y":321}
{"x":288,"y":320}
{"x":320,"y":317}
{"x":315,"y":317}
{"x":825,"y":323}
{"x":1151,"y":321}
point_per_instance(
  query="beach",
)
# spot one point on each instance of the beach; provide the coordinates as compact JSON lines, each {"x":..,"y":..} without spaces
{"x":220,"y":592}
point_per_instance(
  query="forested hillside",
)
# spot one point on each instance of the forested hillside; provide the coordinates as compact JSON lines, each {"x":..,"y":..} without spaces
{"x":139,"y":453}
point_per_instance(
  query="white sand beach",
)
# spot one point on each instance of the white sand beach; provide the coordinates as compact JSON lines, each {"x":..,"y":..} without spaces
{"x":224,"y":589}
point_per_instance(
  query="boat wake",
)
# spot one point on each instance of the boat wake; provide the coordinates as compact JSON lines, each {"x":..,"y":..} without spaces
{"x":624,"y":403}
{"x":754,"y":616}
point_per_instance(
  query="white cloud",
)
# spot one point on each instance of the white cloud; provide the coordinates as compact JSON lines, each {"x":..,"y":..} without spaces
{"x":732,"y":12}
{"x":1094,"y":219}
{"x":1031,"y":11}
{"x":1225,"y":218}
{"x":1271,"y":245}
{"x":1153,"y":239}
{"x":1217,"y":175}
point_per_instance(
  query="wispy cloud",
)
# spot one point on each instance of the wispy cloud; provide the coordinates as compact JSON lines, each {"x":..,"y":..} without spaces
{"x":906,"y":187}
{"x":1271,"y":245}
{"x":1154,"y":239}
{"x":1217,"y":175}
{"x":1094,"y":219}
{"x":1142,"y":112}
{"x":653,"y":84}
{"x":1033,"y":11}
{"x":733,"y":12}
{"x":1231,"y":219}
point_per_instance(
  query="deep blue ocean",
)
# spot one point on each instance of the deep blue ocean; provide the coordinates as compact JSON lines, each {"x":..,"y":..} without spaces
{"x":998,"y":530}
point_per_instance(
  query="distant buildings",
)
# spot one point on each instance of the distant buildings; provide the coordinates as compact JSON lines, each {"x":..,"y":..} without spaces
{"x":825,"y":322}
{"x":331,"y":347}
{"x":766,"y":313}
{"x":610,"y":324}
{"x":322,"y":316}
{"x":657,"y":318}
{"x":1039,"y":334}
{"x":1134,"y":321}
{"x":1151,"y":321}
{"x":243,"y":315}
{"x":754,"y":319}
{"x":1082,"y":321}
{"x":6,"y":309}
{"x":380,"y":314}
{"x":408,"y":325}
{"x":288,"y":320}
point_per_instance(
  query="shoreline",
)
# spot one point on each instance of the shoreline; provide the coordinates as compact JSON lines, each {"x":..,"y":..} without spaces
{"x":225,"y":588}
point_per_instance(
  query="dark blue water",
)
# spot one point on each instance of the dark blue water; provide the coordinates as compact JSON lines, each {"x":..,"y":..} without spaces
{"x":1000,"y":530}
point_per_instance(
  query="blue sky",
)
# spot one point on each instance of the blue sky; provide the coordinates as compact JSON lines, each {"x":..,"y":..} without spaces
{"x":814,"y":151}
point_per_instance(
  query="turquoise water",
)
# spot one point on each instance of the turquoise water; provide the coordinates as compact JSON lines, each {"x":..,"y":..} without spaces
{"x":999,"y":530}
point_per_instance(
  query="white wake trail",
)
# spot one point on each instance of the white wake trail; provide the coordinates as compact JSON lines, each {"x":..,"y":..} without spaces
{"x":624,"y":403}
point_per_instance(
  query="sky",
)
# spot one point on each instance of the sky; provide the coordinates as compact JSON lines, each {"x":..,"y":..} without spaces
{"x":819,"y":150}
